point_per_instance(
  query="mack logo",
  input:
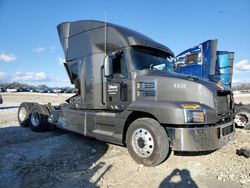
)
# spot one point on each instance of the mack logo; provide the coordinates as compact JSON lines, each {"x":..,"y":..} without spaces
{"x":180,"y":86}
{"x":112,"y":88}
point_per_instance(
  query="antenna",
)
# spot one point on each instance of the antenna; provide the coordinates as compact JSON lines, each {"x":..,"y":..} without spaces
{"x":105,"y":30}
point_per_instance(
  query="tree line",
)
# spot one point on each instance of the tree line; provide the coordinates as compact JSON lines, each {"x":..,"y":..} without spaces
{"x":20,"y":85}
{"x":242,"y":86}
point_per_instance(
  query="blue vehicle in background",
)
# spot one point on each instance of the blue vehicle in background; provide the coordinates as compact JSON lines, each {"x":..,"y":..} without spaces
{"x":205,"y":61}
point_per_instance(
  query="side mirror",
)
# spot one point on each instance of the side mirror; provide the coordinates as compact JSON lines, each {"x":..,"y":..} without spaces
{"x":107,"y":70}
{"x":1,"y":99}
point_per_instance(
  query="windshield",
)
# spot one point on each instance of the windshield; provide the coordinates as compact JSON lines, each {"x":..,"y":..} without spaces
{"x":146,"y":58}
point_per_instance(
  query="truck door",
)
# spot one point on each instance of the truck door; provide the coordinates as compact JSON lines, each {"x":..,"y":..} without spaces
{"x":117,"y":83}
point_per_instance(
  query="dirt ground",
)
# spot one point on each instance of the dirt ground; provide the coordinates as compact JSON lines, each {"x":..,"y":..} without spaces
{"x":64,"y":159}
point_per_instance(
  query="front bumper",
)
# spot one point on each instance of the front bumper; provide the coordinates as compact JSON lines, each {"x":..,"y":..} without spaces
{"x":201,"y":139}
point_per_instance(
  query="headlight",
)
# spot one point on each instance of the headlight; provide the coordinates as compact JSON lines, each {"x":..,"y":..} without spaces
{"x":194,"y":116}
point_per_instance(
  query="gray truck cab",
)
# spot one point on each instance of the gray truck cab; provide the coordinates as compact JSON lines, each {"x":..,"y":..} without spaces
{"x":130,"y":95}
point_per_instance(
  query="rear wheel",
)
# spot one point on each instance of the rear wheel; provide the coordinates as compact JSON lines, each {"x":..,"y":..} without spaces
{"x":24,"y":113}
{"x":147,"y":142}
{"x":51,"y":127}
{"x":38,"y":118}
{"x":242,"y":117}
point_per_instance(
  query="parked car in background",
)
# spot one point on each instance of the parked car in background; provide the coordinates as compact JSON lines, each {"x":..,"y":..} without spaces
{"x":42,"y":90}
{"x":32,"y":89}
{"x":22,"y":89}
{"x":2,"y":89}
{"x":35,"y":89}
{"x":57,"y":90}
{"x":11,"y":90}
{"x":67,"y":90}
{"x":50,"y":90}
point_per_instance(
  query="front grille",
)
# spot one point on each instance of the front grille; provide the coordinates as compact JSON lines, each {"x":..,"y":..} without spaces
{"x":224,"y":118}
{"x":222,"y":104}
{"x":146,"y":89}
{"x":224,"y":101}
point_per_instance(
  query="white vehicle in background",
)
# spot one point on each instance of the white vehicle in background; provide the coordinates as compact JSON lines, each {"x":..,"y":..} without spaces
{"x":57,"y":90}
{"x":11,"y":90}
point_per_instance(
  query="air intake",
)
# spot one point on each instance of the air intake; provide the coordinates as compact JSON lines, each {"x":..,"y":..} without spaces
{"x":146,"y":89}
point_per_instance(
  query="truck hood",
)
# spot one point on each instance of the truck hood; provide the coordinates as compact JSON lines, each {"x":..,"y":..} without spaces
{"x":174,"y":87}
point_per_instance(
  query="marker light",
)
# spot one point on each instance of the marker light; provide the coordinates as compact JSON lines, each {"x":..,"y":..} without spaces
{"x":190,"y":106}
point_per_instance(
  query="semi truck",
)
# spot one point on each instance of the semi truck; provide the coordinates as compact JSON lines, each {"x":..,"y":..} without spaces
{"x":205,"y":61}
{"x":129,"y":94}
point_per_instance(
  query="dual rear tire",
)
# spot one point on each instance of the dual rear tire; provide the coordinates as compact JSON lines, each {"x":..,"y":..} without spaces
{"x":33,"y":115}
{"x":23,"y":113}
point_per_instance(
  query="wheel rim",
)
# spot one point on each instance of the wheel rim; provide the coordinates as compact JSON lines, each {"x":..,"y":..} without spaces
{"x":22,"y":113}
{"x":143,"y":143}
{"x":35,"y":118}
{"x":242,"y":119}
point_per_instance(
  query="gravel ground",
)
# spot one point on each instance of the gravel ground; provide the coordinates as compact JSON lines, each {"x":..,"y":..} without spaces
{"x":243,"y":98}
{"x":64,"y":159}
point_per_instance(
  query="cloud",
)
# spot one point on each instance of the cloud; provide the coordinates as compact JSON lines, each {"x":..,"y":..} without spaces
{"x":39,"y":49}
{"x":31,"y":76}
{"x":238,"y":80}
{"x":52,"y":47}
{"x":235,"y":80}
{"x":61,"y":60}
{"x":25,"y":76}
{"x":63,"y":80}
{"x":7,"y":57}
{"x":242,"y":66}
{"x":4,"y":76}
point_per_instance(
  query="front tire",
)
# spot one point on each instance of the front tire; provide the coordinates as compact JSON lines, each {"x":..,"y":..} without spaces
{"x":147,"y":142}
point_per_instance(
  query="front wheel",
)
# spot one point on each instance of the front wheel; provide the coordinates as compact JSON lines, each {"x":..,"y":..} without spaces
{"x":147,"y":142}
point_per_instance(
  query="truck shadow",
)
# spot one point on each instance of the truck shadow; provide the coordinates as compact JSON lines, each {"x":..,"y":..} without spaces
{"x":50,"y":159}
{"x":193,"y":153}
{"x":83,"y":166}
{"x":178,"y":179}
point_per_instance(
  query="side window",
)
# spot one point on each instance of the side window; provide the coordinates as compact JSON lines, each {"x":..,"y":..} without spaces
{"x":119,"y":66}
{"x":74,"y":70}
{"x":192,"y":58}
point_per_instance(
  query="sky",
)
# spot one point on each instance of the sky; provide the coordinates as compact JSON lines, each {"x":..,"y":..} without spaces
{"x":30,"y":50}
